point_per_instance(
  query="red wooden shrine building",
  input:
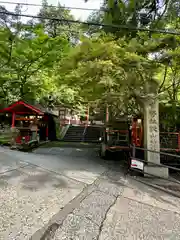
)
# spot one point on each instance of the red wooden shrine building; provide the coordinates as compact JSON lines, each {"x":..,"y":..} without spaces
{"x":23,"y":115}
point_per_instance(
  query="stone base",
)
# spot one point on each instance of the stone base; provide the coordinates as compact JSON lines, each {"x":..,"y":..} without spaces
{"x":13,"y":147}
{"x":156,"y":171}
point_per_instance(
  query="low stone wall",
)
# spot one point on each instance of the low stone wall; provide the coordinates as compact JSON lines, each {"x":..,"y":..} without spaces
{"x":6,"y":135}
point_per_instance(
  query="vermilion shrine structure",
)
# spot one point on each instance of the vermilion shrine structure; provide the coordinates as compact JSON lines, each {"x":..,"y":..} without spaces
{"x":26,"y":113}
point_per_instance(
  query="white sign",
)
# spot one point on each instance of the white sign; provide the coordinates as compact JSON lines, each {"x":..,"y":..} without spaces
{"x":137,"y":164}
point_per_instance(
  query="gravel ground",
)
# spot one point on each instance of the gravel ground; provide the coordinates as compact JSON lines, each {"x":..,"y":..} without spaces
{"x":116,"y":211}
{"x":70,"y":194}
{"x":34,"y":187}
{"x":29,"y":198}
{"x":129,"y":219}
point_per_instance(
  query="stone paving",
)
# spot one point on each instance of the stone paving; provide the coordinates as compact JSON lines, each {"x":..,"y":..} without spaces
{"x":123,"y":213}
{"x":114,"y":210}
{"x":129,"y":219}
{"x":30,"y":197}
{"x":34,"y":187}
{"x":41,"y":199}
{"x":86,"y":221}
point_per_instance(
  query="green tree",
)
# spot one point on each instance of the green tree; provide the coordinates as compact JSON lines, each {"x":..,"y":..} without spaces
{"x":134,"y":14}
{"x":25,"y":52}
{"x":56,"y":28}
{"x":110,"y":71}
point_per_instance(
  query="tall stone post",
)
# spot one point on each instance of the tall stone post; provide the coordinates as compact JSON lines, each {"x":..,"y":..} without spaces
{"x":151,"y":127}
{"x":152,"y":137}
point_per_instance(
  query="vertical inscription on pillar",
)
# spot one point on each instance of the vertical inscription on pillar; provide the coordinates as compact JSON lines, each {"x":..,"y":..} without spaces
{"x":153,"y":130}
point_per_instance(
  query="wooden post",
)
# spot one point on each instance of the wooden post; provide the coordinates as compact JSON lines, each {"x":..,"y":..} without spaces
{"x":13,"y":119}
{"x":46,"y":133}
{"x":107,"y":121}
{"x":134,"y":151}
{"x":178,"y":142}
{"x":107,"y":114}
{"x":87,"y":116}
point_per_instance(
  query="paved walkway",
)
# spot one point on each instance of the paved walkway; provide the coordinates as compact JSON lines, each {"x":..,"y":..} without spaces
{"x":116,"y":210}
{"x":71,"y":194}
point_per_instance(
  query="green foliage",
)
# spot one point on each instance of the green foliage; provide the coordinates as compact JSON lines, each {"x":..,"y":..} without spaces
{"x":52,"y":62}
{"x":30,"y":54}
{"x":59,"y":28}
{"x":28,"y":57}
{"x":109,"y":71}
{"x":26,"y":52}
{"x":133,"y":14}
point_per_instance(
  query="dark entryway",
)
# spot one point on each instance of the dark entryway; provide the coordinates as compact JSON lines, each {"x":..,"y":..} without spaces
{"x":48,"y":121}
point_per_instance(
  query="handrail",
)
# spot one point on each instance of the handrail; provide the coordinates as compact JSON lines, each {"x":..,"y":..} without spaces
{"x":64,"y":131}
{"x":151,"y":175}
{"x":121,"y":131}
{"x":175,"y":133}
{"x":153,"y":151}
{"x":155,"y":164}
{"x":149,"y":163}
{"x":85,"y":128}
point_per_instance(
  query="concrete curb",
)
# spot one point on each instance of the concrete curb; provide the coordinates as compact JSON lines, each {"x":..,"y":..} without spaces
{"x":173,"y":193}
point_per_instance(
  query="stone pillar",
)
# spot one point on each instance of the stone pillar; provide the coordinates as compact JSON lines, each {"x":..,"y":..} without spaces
{"x":152,"y":138}
{"x":151,"y":127}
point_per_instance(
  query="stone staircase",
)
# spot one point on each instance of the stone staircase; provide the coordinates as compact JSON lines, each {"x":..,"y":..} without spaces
{"x":92,"y":134}
{"x":87,"y":134}
{"x":74,"y":134}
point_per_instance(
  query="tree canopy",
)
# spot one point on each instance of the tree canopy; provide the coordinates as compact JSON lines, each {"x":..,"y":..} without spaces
{"x":125,"y":54}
